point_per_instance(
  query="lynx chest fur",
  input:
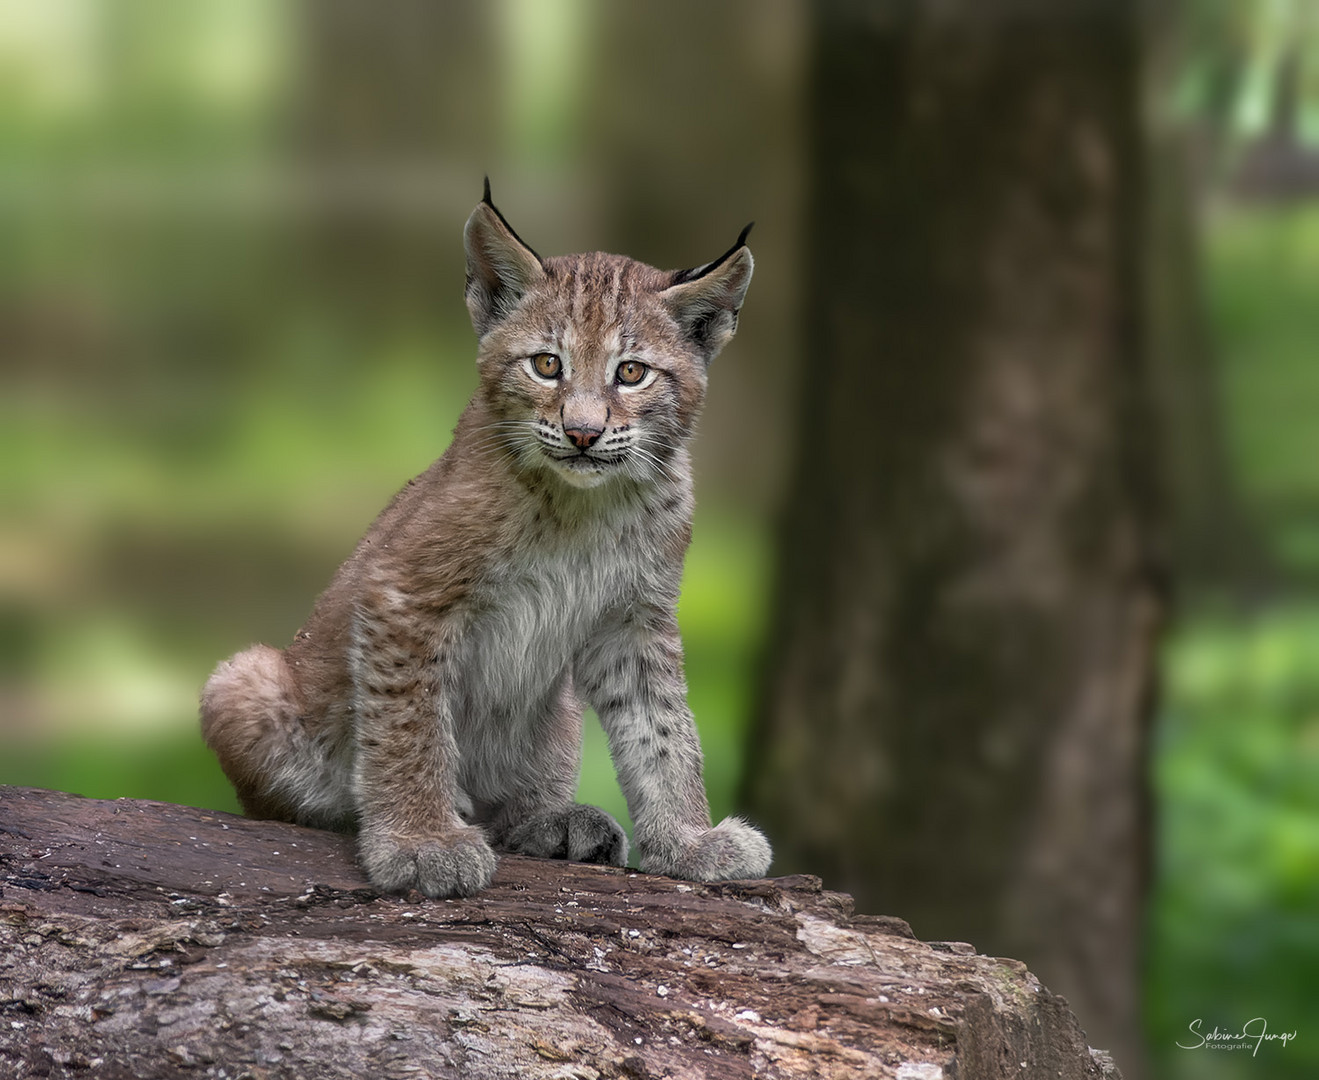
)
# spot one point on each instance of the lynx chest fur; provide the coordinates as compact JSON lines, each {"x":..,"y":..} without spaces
{"x":540,"y":608}
{"x":433,"y":699}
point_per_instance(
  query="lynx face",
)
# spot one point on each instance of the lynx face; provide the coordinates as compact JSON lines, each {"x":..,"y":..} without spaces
{"x":594,"y":365}
{"x":590,"y":376}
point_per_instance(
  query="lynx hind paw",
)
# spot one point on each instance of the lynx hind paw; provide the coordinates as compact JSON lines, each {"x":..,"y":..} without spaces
{"x":457,"y":865}
{"x":732,"y":849}
{"x":577,"y":833}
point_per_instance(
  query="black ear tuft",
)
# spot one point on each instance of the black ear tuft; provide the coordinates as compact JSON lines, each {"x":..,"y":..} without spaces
{"x":691,"y":274}
{"x":501,"y":266}
{"x":485,"y":198}
{"x":705,"y":301}
{"x":741,"y":237}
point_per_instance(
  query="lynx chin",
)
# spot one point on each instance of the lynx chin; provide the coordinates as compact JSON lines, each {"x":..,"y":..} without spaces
{"x":433,"y":700}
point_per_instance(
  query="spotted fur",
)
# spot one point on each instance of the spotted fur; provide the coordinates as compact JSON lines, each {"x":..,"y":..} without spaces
{"x":433,"y":700}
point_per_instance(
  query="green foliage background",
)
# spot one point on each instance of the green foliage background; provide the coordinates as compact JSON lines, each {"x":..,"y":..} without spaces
{"x":1233,"y":932}
{"x":193,"y":433}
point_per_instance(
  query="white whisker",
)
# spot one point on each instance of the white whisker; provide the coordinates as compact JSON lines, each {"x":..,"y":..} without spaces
{"x":653,"y":459}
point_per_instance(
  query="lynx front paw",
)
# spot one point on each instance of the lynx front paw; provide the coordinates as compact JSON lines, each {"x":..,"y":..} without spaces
{"x":456,"y":865}
{"x":732,"y":849}
{"x":577,"y":833}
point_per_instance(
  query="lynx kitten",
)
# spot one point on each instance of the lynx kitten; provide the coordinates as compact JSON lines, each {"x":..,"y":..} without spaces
{"x":433,"y":700}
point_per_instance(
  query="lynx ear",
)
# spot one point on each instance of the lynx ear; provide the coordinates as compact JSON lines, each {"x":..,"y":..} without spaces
{"x":706,"y":299}
{"x":500,"y":266}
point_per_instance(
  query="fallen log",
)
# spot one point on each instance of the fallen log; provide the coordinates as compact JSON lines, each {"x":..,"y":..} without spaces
{"x":141,"y":939}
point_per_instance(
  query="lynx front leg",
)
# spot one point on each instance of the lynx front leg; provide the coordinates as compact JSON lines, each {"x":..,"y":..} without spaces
{"x":632,"y":675}
{"x":411,"y":836}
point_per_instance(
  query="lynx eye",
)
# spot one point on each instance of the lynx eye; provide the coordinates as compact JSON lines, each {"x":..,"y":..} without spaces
{"x":547,"y":365}
{"x":631,"y":372}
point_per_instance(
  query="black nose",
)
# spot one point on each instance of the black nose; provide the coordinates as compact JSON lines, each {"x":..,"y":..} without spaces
{"x":583,"y":437}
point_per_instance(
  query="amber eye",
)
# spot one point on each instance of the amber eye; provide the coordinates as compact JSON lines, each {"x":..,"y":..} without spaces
{"x":631,"y":372}
{"x":547,"y":365}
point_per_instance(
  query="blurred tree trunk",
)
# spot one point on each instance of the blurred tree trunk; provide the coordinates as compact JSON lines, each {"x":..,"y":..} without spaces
{"x":393,"y":120}
{"x":1211,"y":539}
{"x":954,"y":727}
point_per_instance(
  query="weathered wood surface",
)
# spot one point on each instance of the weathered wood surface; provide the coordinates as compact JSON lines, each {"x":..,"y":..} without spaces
{"x":141,"y":939}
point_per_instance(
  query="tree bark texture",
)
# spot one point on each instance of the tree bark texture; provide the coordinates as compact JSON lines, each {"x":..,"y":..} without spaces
{"x":955,"y":721}
{"x":147,"y":940}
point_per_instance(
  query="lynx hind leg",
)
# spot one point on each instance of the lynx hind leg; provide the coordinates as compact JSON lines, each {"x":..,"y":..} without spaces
{"x":250,"y":718}
{"x":577,"y":833}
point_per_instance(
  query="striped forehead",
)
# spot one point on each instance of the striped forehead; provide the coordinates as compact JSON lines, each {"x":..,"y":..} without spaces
{"x":601,"y":293}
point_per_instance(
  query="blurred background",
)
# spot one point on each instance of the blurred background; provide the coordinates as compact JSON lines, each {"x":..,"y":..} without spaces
{"x":1008,"y":528}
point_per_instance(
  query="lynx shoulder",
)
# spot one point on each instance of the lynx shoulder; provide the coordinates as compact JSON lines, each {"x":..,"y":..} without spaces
{"x":433,"y":699}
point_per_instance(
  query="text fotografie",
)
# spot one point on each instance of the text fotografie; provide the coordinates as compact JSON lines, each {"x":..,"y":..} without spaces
{"x":1255,"y":1031}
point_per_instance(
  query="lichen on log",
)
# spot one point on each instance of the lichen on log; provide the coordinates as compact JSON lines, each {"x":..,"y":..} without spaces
{"x":142,"y":939}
